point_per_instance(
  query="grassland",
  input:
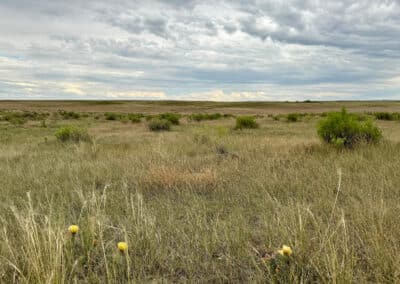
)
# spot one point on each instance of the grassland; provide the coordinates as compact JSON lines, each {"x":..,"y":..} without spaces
{"x":200,"y":203}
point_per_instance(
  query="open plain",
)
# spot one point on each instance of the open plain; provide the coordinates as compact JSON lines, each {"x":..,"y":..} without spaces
{"x":202,"y":202}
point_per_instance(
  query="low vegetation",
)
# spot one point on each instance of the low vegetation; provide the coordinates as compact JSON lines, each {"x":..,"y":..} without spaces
{"x":205,"y":116}
{"x":112,"y":116}
{"x":21,"y":117}
{"x":157,"y":124}
{"x":72,"y":133}
{"x":386,"y":115}
{"x":243,"y":122}
{"x":69,"y":114}
{"x":293,"y":117}
{"x":345,"y":129}
{"x":135,"y":117}
{"x":202,"y":203}
{"x":171,"y":117}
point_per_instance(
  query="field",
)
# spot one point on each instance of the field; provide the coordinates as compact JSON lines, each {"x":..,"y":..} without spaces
{"x":200,"y":203}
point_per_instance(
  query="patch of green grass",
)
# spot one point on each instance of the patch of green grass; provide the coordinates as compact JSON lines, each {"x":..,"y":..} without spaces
{"x":205,"y":116}
{"x":72,"y":133}
{"x":171,"y":117}
{"x":243,"y":122}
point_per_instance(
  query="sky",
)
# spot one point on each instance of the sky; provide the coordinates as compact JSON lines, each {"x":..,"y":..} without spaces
{"x":244,"y":50}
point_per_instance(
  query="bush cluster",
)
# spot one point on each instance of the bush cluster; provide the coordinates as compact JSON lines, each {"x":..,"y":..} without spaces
{"x":387,"y":115}
{"x":243,"y":122}
{"x":69,"y":114}
{"x":135,"y":117}
{"x":157,"y":124}
{"x":17,"y":117}
{"x":112,"y":116}
{"x":171,"y":117}
{"x":205,"y":116}
{"x":72,"y":133}
{"x":345,"y":129}
{"x":293,"y":117}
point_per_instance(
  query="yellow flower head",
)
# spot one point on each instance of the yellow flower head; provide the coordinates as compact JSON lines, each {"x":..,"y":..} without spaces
{"x":73,"y":229}
{"x":122,"y":246}
{"x":286,"y":250}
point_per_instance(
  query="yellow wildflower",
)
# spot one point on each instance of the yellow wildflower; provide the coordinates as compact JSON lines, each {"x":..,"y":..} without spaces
{"x":73,"y":229}
{"x":286,"y":250}
{"x":122,"y":246}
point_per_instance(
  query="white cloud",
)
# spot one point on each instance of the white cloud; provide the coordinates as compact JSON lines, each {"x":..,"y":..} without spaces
{"x":220,"y":50}
{"x":136,"y":95}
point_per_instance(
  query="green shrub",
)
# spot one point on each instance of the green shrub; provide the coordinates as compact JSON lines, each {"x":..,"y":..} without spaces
{"x":293,"y":117}
{"x":387,"y":115}
{"x":246,"y":122}
{"x":112,"y":116}
{"x":69,"y":114}
{"x":17,"y":117}
{"x":345,"y":129}
{"x":228,"y":115}
{"x":135,"y":117}
{"x":205,"y":116}
{"x":159,"y":125}
{"x":72,"y":133}
{"x":171,"y":117}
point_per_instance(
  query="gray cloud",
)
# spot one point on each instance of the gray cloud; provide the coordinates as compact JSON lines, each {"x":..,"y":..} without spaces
{"x":246,"y":49}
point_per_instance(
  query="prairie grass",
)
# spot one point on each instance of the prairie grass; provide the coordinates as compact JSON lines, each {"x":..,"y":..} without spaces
{"x":192,"y":214}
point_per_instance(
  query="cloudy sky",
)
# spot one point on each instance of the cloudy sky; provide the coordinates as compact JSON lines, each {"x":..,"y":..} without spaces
{"x":200,"y":50}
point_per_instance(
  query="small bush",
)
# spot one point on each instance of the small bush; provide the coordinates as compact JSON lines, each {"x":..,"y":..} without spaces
{"x":17,"y":117}
{"x":135,"y":117}
{"x":387,"y":115}
{"x":205,"y":116}
{"x":69,"y":114}
{"x":246,"y":122}
{"x":293,"y":117}
{"x":72,"y":133}
{"x":344,"y":129}
{"x":112,"y":116}
{"x":159,"y":125}
{"x":171,"y":117}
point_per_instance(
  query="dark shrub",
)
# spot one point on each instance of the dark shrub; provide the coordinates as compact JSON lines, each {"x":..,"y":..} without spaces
{"x":72,"y":133}
{"x":16,"y":117}
{"x":345,"y":129}
{"x":69,"y":114}
{"x":112,"y":116}
{"x":159,"y":125}
{"x":293,"y":117}
{"x":171,"y":117}
{"x":205,"y":116}
{"x":387,"y":115}
{"x":246,"y":122}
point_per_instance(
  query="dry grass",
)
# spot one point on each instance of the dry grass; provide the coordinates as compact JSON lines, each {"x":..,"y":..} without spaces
{"x":202,"y":203}
{"x":236,"y":108}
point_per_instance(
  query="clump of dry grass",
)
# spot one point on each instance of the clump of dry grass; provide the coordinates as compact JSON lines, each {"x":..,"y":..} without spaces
{"x":189,"y":214}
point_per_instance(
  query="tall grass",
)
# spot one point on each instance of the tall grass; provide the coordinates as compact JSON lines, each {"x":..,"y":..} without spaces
{"x":190,"y":214}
